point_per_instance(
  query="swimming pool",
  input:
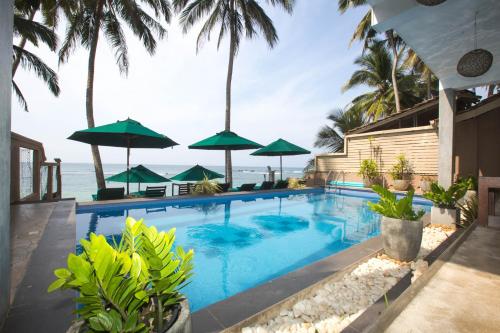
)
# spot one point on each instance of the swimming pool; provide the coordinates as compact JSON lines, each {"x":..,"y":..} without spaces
{"x":243,"y":241}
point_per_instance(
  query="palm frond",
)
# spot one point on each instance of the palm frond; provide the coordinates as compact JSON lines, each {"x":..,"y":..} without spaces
{"x":34,"y":32}
{"x":20,"y":96}
{"x":116,"y":38}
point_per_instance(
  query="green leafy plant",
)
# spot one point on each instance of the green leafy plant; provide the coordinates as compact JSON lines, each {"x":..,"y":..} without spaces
{"x":294,"y":183}
{"x":402,"y":169}
{"x":470,"y":183}
{"x":369,"y":169}
{"x":445,"y":198}
{"x":426,"y":179}
{"x":127,"y":287}
{"x":206,"y":187}
{"x":468,"y":212}
{"x":390,"y":206}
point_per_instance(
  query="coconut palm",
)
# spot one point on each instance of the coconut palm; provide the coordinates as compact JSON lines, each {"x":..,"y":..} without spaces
{"x":236,"y":18}
{"x":376,"y":72}
{"x":89,"y":19}
{"x":416,"y":65}
{"x":26,"y":29}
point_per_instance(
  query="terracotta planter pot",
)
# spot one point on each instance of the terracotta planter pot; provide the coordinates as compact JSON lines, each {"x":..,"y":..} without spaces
{"x":401,"y":184}
{"x":181,"y":325}
{"x":401,"y":238}
{"x":445,"y":216}
{"x":425,"y":185}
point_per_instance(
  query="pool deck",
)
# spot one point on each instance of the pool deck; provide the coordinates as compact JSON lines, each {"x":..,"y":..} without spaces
{"x":463,"y":295}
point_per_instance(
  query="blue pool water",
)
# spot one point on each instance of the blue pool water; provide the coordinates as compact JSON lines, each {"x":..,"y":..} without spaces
{"x":244,"y":241}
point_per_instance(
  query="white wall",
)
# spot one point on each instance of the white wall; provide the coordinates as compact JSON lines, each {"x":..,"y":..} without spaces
{"x":6,"y":16}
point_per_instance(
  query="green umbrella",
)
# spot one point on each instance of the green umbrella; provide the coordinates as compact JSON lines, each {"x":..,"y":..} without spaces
{"x":139,"y":174}
{"x":196,"y":173}
{"x":281,"y":148}
{"x":127,"y":133}
{"x":225,"y":140}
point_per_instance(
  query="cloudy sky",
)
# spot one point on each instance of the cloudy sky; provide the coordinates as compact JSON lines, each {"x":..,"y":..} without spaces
{"x":284,"y":92}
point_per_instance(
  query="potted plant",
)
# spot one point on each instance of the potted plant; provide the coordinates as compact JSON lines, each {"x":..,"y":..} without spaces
{"x":369,"y":170}
{"x":425,"y":183}
{"x":401,"y":226}
{"x":444,"y":210}
{"x":132,"y":286}
{"x":206,"y":187}
{"x":401,"y":173}
{"x":470,"y":184}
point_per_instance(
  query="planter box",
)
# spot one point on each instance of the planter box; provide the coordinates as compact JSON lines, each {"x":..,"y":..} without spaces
{"x":444,"y":216}
{"x":401,"y":184}
{"x":401,"y":238}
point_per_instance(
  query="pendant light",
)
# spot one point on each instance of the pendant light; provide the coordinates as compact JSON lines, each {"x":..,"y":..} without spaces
{"x":430,"y":2}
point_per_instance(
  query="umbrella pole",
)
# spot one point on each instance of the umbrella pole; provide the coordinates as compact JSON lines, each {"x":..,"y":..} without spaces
{"x":128,"y":170}
{"x":281,"y":167}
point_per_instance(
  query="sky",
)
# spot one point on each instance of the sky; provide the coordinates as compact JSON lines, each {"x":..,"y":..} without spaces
{"x":285,"y":92}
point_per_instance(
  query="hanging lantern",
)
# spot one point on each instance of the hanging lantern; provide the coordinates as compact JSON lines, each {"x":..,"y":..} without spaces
{"x":430,"y":2}
{"x":476,"y":62}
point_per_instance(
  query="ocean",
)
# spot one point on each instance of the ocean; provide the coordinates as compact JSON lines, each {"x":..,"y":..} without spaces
{"x":78,"y":179}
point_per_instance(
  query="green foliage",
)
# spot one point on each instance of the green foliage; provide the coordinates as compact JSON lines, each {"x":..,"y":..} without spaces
{"x":390,"y":206}
{"x":402,"y":169}
{"x":468,"y":212}
{"x":368,"y":169}
{"x":294,"y":183}
{"x":445,"y":198}
{"x":206,"y":187}
{"x":128,"y":288}
{"x":470,"y":183}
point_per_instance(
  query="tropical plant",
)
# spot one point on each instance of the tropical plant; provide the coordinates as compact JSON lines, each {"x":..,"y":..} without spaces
{"x":28,"y":30}
{"x":469,"y":183}
{"x":343,"y":121}
{"x":415,"y":65}
{"x":445,"y":198}
{"x":368,"y":169}
{"x":390,"y":206}
{"x":236,"y":18}
{"x":206,"y":187}
{"x":402,"y":169}
{"x":376,"y":72}
{"x":294,"y":183}
{"x":468,"y":212}
{"x":130,"y":286}
{"x":89,"y":19}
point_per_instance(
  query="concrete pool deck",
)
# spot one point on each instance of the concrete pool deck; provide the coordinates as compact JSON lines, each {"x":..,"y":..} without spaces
{"x":463,"y":295}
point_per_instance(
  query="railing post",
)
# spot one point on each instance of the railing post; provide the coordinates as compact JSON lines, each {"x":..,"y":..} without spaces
{"x":50,"y":179}
{"x":59,"y":178}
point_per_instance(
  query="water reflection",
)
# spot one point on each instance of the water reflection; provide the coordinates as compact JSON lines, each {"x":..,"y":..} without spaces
{"x":281,"y":224}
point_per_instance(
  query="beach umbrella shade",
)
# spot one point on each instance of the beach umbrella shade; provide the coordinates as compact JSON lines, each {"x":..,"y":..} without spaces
{"x":139,"y":174}
{"x":196,"y":173}
{"x":281,"y":148}
{"x":127,"y":134}
{"x":225,"y":140}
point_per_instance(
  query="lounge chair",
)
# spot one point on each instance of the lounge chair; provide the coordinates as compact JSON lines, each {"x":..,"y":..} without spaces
{"x":246,"y":187}
{"x":281,"y":184}
{"x":155,"y":191}
{"x":109,"y":194}
{"x":184,"y":189}
{"x":224,"y":187}
{"x":265,"y":186}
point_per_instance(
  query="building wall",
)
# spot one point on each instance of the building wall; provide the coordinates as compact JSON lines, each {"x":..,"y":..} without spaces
{"x":6,"y":16}
{"x":418,"y":144}
{"x":477,"y":145}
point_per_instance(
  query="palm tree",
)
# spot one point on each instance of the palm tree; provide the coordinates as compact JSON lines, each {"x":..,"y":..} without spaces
{"x":376,"y":72}
{"x":36,"y":33}
{"x":415,"y":64}
{"x":236,"y":18}
{"x":332,"y":136}
{"x":91,"y":17}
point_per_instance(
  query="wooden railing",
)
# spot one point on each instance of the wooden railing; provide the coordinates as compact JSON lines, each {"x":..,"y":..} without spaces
{"x":27,"y":162}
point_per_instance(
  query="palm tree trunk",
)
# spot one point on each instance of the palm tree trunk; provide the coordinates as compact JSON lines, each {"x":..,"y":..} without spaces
{"x":232,"y":52}
{"x":395,"y":60}
{"x":89,"y":100}
{"x":429,"y":82}
{"x":22,"y":44}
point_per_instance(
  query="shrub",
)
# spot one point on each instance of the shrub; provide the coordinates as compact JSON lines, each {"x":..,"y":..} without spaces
{"x":402,"y":169}
{"x":390,"y":206}
{"x":445,"y":198}
{"x":368,"y":169}
{"x":294,"y":183}
{"x":468,"y":212}
{"x":470,"y":183}
{"x":128,"y":287}
{"x":206,"y":187}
